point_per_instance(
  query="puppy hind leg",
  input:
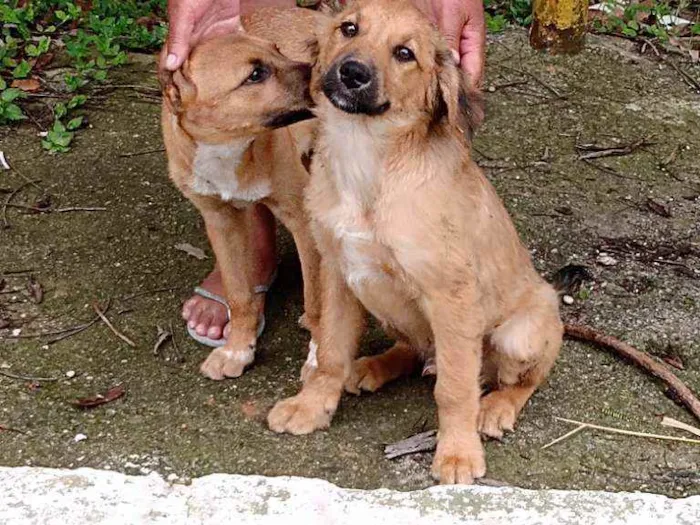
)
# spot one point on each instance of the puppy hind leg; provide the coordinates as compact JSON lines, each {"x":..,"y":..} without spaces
{"x":371,"y":373}
{"x":524,"y":349}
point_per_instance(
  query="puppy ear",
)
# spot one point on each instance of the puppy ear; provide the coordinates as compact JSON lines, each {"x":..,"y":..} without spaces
{"x":176,"y":88}
{"x":454,"y":102}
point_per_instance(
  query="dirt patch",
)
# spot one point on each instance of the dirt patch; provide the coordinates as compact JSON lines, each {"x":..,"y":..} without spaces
{"x":174,"y":421}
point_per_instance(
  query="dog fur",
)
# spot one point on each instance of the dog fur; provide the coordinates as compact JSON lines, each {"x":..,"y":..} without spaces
{"x":223,"y":121}
{"x":412,"y":231}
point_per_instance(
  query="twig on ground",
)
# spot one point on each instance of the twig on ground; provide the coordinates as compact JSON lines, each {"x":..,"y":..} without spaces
{"x":642,"y":359}
{"x":63,"y":333}
{"x":692,"y":82}
{"x":534,"y":77}
{"x":565,"y":436}
{"x":54,"y":210}
{"x":16,"y":272}
{"x":606,"y":169}
{"x":76,"y":330}
{"x":674,"y":423}
{"x":614,"y":430}
{"x":11,"y":196}
{"x":3,"y":428}
{"x":116,"y":332}
{"x":423,"y":442}
{"x":27,"y":378}
{"x":597,"y":152}
{"x":145,"y":152}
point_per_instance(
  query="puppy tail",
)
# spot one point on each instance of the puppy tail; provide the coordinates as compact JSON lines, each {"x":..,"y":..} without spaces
{"x":568,"y":279}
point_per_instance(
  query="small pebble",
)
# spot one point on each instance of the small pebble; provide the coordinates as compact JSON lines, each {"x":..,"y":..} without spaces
{"x":568,"y":299}
{"x":172,"y":477}
{"x":70,"y":373}
{"x":606,"y":260}
{"x":16,"y":332}
{"x":79,"y":437}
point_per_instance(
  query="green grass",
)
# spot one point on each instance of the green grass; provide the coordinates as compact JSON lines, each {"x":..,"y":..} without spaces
{"x":91,"y":36}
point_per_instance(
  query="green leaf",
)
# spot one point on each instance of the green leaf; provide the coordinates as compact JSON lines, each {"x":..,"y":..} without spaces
{"x":22,"y":70}
{"x":31,"y":50}
{"x":100,"y":75}
{"x":58,"y":127}
{"x":75,"y":123}
{"x":3,"y":84}
{"x":629,"y":31}
{"x":60,"y":111}
{"x":8,"y":95}
{"x":77,"y":100}
{"x":13,"y":112}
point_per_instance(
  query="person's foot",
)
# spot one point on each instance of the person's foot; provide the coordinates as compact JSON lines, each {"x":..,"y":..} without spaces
{"x":209,"y":318}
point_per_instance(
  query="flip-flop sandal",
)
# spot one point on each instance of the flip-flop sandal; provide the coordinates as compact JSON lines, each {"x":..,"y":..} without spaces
{"x":216,"y":343}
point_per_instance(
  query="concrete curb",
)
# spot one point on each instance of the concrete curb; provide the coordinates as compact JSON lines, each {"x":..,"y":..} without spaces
{"x":87,"y":496}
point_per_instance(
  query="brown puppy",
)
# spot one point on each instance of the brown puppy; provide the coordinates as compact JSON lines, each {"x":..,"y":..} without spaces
{"x":223,"y":118}
{"x":409,"y":225}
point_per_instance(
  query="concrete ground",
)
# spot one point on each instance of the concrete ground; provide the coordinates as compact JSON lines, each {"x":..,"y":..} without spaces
{"x":642,"y":210}
{"x":87,"y":496}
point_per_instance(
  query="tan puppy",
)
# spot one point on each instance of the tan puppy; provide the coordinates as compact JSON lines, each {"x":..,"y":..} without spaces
{"x":223,"y":118}
{"x":408,"y":224}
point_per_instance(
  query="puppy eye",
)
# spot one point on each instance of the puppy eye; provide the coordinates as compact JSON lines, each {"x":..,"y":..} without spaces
{"x":349,"y":29}
{"x":259,"y":74}
{"x":403,"y":54}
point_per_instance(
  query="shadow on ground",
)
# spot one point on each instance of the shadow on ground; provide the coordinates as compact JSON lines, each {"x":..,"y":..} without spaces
{"x":176,"y":422}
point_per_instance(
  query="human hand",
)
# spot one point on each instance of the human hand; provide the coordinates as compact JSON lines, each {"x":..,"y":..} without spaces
{"x":462,"y":23}
{"x":192,"y":20}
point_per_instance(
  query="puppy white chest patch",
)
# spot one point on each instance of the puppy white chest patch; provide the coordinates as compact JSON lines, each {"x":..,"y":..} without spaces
{"x":214,"y":169}
{"x":360,"y":253}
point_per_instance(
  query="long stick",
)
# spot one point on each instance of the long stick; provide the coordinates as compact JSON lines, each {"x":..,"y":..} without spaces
{"x":629,"y":432}
{"x":641,"y":359}
{"x":27,"y":378}
{"x":111,"y":326}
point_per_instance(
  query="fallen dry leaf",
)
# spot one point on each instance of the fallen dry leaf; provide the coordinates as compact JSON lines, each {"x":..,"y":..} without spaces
{"x":36,"y":292}
{"x":197,"y":253}
{"x":26,"y":84}
{"x":101,"y":399}
{"x":659,"y":208}
{"x":42,"y":61}
{"x":694,"y":55}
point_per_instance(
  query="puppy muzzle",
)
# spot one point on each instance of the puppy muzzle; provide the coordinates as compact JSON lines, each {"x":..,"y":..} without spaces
{"x":352,"y":86}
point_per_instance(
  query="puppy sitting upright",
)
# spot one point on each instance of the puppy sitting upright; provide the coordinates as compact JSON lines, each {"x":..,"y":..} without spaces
{"x":222,"y":120}
{"x":411,"y":229}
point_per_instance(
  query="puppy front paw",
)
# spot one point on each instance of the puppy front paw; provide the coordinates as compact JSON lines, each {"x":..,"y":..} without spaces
{"x":301,"y":414}
{"x":227,"y":362}
{"x":459,"y":461}
{"x":496,"y":415}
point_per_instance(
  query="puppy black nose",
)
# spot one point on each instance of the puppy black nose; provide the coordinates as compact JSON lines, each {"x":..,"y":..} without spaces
{"x":355,"y":75}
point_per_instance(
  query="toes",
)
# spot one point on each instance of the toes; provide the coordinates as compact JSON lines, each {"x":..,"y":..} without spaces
{"x":298,"y":415}
{"x":223,"y":362}
{"x":496,"y":415}
{"x":214,"y":332}
{"x":460,"y":464}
